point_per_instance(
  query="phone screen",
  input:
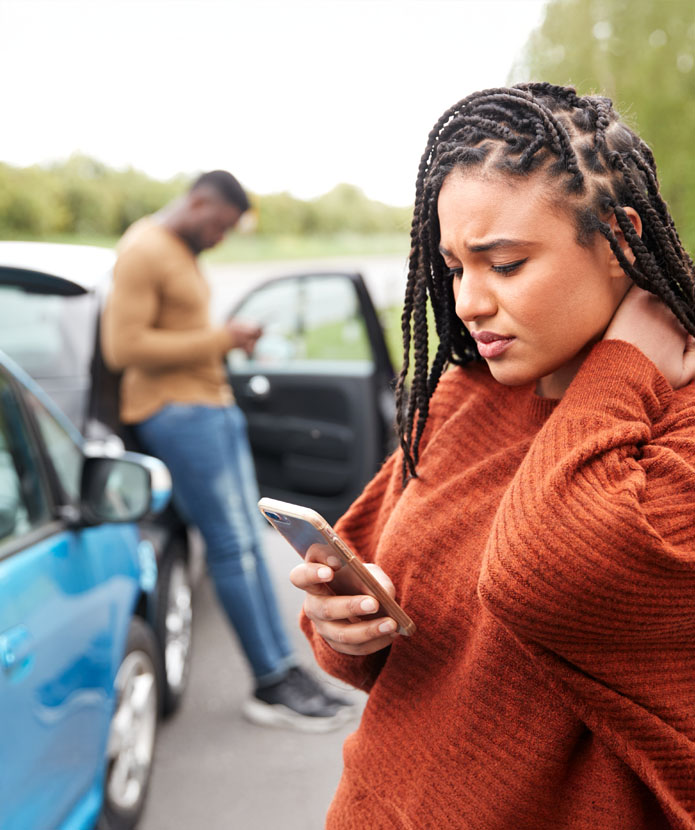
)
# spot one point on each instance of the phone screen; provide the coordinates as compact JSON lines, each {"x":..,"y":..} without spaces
{"x":300,"y":533}
{"x":316,"y":541}
{"x":313,"y":546}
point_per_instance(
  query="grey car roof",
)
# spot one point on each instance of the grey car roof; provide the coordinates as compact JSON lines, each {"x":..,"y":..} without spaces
{"x":85,"y":266}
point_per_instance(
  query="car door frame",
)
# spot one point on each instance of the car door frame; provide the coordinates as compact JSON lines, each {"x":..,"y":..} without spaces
{"x":380,"y":384}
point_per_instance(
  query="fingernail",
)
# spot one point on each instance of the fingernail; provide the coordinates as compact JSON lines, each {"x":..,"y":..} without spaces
{"x":368,"y":605}
{"x":333,"y":561}
{"x":387,"y":626}
{"x":324,"y":573}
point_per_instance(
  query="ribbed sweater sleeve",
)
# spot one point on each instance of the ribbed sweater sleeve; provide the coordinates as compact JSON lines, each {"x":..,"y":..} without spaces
{"x":130,"y":336}
{"x":591,"y":564}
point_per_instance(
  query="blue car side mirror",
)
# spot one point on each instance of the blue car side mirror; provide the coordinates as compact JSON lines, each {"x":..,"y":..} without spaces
{"x":122,"y":489}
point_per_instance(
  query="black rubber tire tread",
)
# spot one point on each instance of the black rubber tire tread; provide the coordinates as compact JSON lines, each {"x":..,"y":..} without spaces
{"x":140,"y":638}
{"x":170,"y":698}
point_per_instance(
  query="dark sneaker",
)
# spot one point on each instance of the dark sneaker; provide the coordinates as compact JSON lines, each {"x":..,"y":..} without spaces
{"x":297,"y":701}
{"x":311,"y":686}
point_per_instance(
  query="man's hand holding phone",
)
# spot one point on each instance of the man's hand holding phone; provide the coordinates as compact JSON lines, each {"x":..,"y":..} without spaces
{"x":338,"y":619}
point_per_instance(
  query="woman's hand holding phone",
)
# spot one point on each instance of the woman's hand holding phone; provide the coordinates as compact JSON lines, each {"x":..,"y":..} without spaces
{"x":337,"y":618}
{"x":352,"y":604}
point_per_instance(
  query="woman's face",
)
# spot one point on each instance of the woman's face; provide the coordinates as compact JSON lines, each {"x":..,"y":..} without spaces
{"x":531,"y":296}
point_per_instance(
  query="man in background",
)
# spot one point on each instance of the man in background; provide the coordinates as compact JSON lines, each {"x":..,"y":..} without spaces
{"x":174,"y":394}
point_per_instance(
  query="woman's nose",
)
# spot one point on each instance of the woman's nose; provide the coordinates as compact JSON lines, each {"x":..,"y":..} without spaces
{"x":474,"y":299}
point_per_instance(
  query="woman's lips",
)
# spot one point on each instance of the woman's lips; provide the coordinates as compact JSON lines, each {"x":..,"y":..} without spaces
{"x":491,"y":344}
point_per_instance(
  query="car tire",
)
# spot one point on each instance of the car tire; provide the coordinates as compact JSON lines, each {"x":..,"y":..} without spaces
{"x":131,"y":743}
{"x":174,"y":626}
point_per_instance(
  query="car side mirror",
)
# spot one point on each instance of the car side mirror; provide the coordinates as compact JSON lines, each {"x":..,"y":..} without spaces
{"x":123,"y":489}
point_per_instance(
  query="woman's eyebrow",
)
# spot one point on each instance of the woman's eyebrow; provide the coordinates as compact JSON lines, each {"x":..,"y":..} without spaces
{"x":488,"y":246}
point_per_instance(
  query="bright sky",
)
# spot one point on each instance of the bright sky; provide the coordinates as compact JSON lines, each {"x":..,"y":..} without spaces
{"x":293,"y":95}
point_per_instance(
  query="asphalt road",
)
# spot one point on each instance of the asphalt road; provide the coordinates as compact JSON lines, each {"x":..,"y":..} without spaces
{"x":213,"y":770}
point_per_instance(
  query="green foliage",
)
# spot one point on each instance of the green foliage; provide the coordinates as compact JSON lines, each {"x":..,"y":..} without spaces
{"x":85,"y":198}
{"x":244,"y":247}
{"x":79,"y":196}
{"x":281,"y":214}
{"x":30,"y":202}
{"x":345,"y":209}
{"x":641,"y":54}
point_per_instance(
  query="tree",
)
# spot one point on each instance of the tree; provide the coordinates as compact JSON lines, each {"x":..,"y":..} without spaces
{"x":84,"y":197}
{"x":641,"y":54}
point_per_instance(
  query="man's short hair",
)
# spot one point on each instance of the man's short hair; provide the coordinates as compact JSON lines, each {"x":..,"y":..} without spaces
{"x":226,"y":185}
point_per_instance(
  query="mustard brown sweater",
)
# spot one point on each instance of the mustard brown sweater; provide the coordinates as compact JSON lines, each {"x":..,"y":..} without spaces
{"x":547,"y":554}
{"x":156,"y":326}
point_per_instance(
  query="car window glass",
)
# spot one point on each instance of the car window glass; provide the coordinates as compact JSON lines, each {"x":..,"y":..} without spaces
{"x":65,"y":455}
{"x":22,"y":499}
{"x":49,"y":336}
{"x":309,"y":322}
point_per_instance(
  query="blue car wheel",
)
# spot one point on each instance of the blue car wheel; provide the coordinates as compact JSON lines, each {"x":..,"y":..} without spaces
{"x":130,"y":750}
{"x":174,"y":626}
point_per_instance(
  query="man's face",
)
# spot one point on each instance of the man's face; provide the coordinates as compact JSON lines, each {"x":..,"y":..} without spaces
{"x":210,"y":219}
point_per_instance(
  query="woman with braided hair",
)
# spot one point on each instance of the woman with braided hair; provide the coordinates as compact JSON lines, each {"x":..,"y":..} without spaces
{"x":538,"y":520}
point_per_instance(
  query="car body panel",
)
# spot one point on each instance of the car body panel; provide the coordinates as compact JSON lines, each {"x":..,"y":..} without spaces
{"x":61,"y":633}
{"x":67,"y":595}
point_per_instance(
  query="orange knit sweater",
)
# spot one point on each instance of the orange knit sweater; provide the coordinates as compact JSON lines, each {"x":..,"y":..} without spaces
{"x":547,"y":554}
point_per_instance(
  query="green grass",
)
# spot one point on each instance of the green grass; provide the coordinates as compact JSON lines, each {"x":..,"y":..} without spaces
{"x":391,"y":323}
{"x":251,"y":248}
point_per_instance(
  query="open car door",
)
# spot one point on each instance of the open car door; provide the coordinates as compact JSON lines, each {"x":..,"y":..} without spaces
{"x":317,"y":391}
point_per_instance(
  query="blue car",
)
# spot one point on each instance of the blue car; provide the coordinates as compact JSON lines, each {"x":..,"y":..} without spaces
{"x":79,"y":672}
{"x":50,"y":302}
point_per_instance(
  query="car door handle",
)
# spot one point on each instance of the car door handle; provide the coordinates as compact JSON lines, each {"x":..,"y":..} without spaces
{"x":258,"y":387}
{"x":15,"y":647}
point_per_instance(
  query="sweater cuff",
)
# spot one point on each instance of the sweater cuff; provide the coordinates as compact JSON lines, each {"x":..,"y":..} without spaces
{"x":617,"y":375}
{"x":358,"y":671}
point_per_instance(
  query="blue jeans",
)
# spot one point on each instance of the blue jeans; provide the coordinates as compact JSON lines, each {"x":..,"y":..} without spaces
{"x":207,"y":452}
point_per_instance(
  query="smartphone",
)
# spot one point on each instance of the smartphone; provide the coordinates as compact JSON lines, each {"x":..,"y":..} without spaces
{"x":315,"y":540}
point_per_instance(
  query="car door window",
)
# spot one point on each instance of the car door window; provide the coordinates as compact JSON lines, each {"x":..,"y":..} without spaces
{"x":64,"y":453}
{"x":310,"y":323}
{"x":49,"y":335}
{"x":23,"y":504}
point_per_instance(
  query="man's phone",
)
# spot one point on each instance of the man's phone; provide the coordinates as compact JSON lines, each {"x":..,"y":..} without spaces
{"x":315,"y":540}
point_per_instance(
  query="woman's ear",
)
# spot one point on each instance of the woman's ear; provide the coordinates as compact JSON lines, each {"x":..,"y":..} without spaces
{"x":636,"y":221}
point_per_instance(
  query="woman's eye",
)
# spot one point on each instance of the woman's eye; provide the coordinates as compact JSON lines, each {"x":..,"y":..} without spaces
{"x":509,"y":268}
{"x":453,"y":272}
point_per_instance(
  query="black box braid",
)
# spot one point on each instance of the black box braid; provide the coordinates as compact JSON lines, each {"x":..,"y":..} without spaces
{"x":601,"y":167}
